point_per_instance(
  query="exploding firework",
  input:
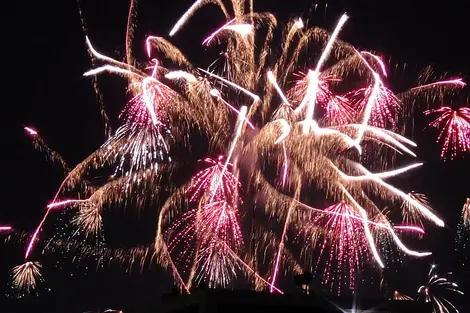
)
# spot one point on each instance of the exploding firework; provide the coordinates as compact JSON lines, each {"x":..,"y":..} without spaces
{"x":279,"y":142}
{"x":42,"y":147}
{"x":463,"y":237}
{"x":437,"y":290}
{"x":5,"y":228}
{"x":337,"y":109}
{"x":106,"y":311}
{"x":466,"y":213}
{"x":212,"y":228}
{"x":343,"y":246}
{"x":385,"y":242}
{"x":398,"y":296}
{"x":410,"y":214}
{"x":454,"y":130}
{"x":140,"y":144}
{"x":26,"y":276}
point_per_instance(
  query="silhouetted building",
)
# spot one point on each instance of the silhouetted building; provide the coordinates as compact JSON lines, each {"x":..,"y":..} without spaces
{"x":238,"y":301}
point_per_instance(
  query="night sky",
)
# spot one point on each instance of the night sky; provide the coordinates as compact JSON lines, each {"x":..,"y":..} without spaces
{"x":44,"y":57}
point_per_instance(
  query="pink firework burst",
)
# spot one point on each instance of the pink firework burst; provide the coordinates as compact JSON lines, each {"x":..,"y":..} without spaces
{"x":141,"y":139}
{"x":205,"y":237}
{"x":208,"y":235}
{"x":145,"y":107}
{"x":454,"y":130}
{"x":385,"y":108}
{"x":344,"y":245}
{"x":338,"y":110}
{"x":216,"y":182}
{"x":466,"y":213}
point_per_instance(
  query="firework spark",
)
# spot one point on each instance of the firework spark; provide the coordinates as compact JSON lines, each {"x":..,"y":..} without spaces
{"x":40,"y":145}
{"x":344,"y":247}
{"x":26,"y":276}
{"x":385,"y":108}
{"x":212,"y":227}
{"x":141,"y":139}
{"x":454,"y":130}
{"x":5,"y":228}
{"x":437,"y":289}
{"x":338,"y":109}
{"x":463,"y":237}
{"x":207,"y":180}
{"x":466,"y":213}
{"x":410,"y":214}
{"x":398,"y":296}
{"x":31,"y":131}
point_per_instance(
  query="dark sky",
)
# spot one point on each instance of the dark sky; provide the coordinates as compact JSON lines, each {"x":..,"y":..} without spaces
{"x":44,"y":57}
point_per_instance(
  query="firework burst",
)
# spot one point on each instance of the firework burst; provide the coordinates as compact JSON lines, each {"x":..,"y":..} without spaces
{"x":40,"y":145}
{"x":344,"y":246}
{"x":463,"y":237}
{"x":140,"y":144}
{"x":337,"y":109}
{"x":454,"y":130}
{"x":262,"y":125}
{"x":25,"y":277}
{"x":437,"y":290}
{"x":398,"y":296}
{"x":385,"y":241}
{"x":4,"y":228}
{"x":466,"y":213}
{"x":385,"y":108}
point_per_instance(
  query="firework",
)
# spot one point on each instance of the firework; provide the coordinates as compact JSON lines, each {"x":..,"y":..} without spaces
{"x":212,"y":228}
{"x":410,"y":215}
{"x":215,"y":222}
{"x":219,"y":183}
{"x":40,"y":145}
{"x":463,"y":236}
{"x":437,"y":290}
{"x":466,"y":213}
{"x":385,"y":107}
{"x":5,"y":228}
{"x":26,"y":276}
{"x":344,"y":246}
{"x":385,"y":242}
{"x":315,"y":139}
{"x":454,"y":130}
{"x":140,"y":143}
{"x":398,"y":296}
